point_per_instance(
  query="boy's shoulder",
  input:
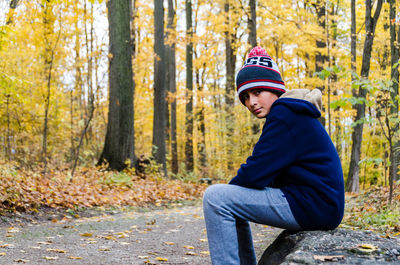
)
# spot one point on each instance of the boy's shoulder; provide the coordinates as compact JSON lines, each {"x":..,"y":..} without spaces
{"x":284,"y":108}
{"x":314,"y":97}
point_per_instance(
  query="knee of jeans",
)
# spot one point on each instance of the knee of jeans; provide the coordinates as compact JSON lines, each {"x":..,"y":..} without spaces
{"x":212,"y":194}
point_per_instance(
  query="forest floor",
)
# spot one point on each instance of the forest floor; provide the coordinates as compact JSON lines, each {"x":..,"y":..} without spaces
{"x":102,"y":217}
{"x":172,"y":235}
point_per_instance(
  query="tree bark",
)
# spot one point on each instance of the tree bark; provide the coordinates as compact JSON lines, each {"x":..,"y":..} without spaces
{"x":252,"y":24}
{"x":394,"y":75}
{"x":320,"y":59}
{"x":48,"y":21}
{"x":230,"y":62}
{"x":201,"y":118}
{"x":119,"y":143}
{"x":159,"y":121}
{"x":252,"y":28}
{"x":353,"y":38}
{"x":189,"y":88}
{"x":352,"y":183}
{"x":171,"y":81}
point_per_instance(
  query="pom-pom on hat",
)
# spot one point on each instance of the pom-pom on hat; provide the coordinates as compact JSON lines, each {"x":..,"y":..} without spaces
{"x":259,"y":71}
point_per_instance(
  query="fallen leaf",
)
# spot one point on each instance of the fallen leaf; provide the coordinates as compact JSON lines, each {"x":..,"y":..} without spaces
{"x":207,"y":253}
{"x":56,"y":250}
{"x":368,"y":246}
{"x":21,"y":260}
{"x":169,"y":243}
{"x":74,"y":257}
{"x":50,"y":258}
{"x":161,"y":259}
{"x":188,"y":247}
{"x":328,"y":258}
{"x":12,"y":230}
{"x":190,"y":253}
{"x":7,"y":246}
{"x":86,"y":234}
{"x":2,"y":253}
{"x":104,"y":249}
{"x":44,"y":243}
{"x":143,"y":257}
{"x":203,"y":240}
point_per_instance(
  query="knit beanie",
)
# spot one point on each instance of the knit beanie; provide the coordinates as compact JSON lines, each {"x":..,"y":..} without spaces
{"x":259,"y":71}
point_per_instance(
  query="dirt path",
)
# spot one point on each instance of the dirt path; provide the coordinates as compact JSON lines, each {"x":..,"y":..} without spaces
{"x":169,"y":236}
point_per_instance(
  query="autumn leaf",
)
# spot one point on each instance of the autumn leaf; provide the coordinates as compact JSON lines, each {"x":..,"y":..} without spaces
{"x":21,"y":260}
{"x":161,"y":259}
{"x":105,"y":249}
{"x":12,"y":230}
{"x":188,"y":247}
{"x":328,"y":258}
{"x":86,"y":234}
{"x":169,"y":243}
{"x":2,"y":253}
{"x":71,"y":257}
{"x":50,"y":258}
{"x":190,"y":253}
{"x":7,"y":246}
{"x":366,"y":248}
{"x":56,"y":250}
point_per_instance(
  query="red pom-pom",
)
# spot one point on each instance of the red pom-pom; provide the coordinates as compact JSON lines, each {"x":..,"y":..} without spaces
{"x":257,"y":51}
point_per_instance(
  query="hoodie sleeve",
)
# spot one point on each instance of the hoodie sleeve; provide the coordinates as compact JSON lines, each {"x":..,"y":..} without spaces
{"x":272,"y":153}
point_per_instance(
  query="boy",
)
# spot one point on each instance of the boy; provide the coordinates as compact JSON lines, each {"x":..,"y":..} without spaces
{"x":292,"y":180}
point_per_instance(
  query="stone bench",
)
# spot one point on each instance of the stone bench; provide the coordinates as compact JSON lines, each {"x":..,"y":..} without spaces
{"x":339,"y":246}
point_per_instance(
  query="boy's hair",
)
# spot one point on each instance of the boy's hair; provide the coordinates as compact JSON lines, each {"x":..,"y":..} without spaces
{"x":259,"y":72}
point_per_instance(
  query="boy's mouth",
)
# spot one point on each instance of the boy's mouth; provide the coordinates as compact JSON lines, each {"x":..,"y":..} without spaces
{"x":256,"y":111}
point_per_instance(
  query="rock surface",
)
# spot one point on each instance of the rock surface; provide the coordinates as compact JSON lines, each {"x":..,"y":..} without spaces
{"x":339,"y":246}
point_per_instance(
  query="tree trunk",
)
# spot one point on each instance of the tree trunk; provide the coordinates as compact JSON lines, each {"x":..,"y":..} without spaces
{"x":48,"y":21}
{"x":8,"y":135}
{"x":230,"y":62}
{"x":252,"y":28}
{"x":252,"y":24}
{"x":119,"y":142}
{"x":321,"y":44}
{"x":352,"y":183}
{"x":159,"y":121}
{"x":189,"y":88}
{"x":201,"y":118}
{"x":394,"y":75}
{"x":353,"y":38}
{"x":171,"y":81}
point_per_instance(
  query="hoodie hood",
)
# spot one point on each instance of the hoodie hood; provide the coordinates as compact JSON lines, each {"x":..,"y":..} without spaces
{"x":303,"y":101}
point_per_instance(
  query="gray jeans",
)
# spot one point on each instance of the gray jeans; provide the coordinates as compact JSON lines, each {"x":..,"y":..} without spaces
{"x":227,"y":210}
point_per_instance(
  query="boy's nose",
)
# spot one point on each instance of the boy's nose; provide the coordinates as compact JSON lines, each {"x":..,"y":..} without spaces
{"x":253,"y":100}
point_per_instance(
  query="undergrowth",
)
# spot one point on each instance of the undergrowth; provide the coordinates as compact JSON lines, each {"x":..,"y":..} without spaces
{"x":370,"y":210}
{"x":27,"y":190}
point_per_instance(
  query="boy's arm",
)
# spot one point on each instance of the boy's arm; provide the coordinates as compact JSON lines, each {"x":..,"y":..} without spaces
{"x":273,"y":152}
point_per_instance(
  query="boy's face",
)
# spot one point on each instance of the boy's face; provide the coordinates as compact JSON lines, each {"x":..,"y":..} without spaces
{"x":259,"y":101}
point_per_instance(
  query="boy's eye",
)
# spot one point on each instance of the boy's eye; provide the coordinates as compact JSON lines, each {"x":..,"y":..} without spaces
{"x":245,"y":97}
{"x":257,"y":91}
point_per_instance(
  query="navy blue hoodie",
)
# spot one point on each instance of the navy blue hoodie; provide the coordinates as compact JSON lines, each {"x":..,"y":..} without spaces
{"x":294,"y":153}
